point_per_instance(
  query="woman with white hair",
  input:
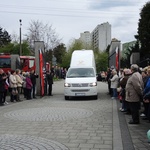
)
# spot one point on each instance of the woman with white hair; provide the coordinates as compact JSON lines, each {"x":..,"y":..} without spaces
{"x":114,"y":84}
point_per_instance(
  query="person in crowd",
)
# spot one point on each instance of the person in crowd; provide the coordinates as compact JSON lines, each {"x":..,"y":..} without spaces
{"x":24,"y":84}
{"x":28,"y":86}
{"x":123,"y":81}
{"x":49,"y":77}
{"x":134,"y":91}
{"x":57,"y":72}
{"x":145,"y":78}
{"x":33,"y":77}
{"x":114,"y":84}
{"x":53,"y":70}
{"x":8,"y":74}
{"x":65,"y":72}
{"x":6,"y":90}
{"x":19,"y":83}
{"x":146,"y":97}
{"x":13,"y":85}
{"x":3,"y":78}
{"x":62,"y":73}
{"x":109,"y":76}
{"x":103,"y":76}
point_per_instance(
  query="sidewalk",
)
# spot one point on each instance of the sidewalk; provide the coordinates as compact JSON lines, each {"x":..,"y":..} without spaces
{"x":133,"y":136}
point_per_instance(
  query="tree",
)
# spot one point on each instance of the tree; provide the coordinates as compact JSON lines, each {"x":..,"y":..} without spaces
{"x":101,"y":59}
{"x":13,"y":48}
{"x":38,"y":31}
{"x":5,"y":38}
{"x":144,"y":31}
{"x":74,"y":45}
{"x":59,"y":52}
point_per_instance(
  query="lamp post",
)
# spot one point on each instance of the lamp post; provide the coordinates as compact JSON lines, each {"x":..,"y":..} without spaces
{"x":20,"y":37}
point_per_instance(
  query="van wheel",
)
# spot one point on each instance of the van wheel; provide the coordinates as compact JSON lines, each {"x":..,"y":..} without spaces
{"x":66,"y":97}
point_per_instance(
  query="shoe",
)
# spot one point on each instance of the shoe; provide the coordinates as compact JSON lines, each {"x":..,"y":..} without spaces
{"x":34,"y":97}
{"x":123,"y":110}
{"x":112,"y":97}
{"x":50,"y":95}
{"x":133,"y":122}
{"x":6,"y":103}
{"x":142,"y":115}
{"x":120,"y":109}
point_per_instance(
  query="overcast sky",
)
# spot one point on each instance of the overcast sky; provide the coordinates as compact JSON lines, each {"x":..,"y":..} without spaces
{"x":71,"y":17}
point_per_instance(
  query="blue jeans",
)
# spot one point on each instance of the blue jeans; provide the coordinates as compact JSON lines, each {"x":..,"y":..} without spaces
{"x":115,"y":94}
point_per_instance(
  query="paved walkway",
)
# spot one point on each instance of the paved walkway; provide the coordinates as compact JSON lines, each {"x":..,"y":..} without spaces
{"x":52,"y":123}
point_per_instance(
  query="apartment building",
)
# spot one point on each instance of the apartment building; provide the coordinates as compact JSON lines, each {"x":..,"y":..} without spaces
{"x":101,"y":36}
{"x":86,"y":39}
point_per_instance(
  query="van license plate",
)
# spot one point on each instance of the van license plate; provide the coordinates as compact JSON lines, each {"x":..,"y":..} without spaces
{"x":79,"y":94}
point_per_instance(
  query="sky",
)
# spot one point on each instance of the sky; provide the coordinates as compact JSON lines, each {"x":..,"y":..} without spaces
{"x":69,"y":18}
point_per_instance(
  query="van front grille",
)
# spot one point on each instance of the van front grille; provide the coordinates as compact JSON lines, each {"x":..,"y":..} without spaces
{"x":80,"y":85}
{"x":86,"y":90}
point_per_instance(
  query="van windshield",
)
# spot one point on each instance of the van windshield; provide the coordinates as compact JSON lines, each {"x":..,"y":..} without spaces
{"x":80,"y":72}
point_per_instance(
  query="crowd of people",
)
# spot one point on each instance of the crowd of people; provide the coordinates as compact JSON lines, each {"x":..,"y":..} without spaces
{"x":59,"y":72}
{"x":132,"y":87}
{"x":18,"y":82}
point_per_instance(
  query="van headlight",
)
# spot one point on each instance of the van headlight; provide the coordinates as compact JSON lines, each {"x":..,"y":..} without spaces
{"x":67,"y":85}
{"x":93,"y":84}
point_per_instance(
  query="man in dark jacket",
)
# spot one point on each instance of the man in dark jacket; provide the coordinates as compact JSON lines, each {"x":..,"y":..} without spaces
{"x":33,"y":77}
{"x":2,"y":86}
{"x":49,"y":77}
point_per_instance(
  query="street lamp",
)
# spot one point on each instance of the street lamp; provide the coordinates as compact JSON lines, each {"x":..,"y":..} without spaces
{"x":20,"y":37}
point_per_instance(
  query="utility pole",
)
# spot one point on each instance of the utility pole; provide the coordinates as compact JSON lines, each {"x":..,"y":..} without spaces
{"x":20,"y":37}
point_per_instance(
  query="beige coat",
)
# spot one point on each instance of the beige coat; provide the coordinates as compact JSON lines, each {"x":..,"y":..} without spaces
{"x":19,"y":81}
{"x":12,"y":81}
{"x":134,"y":87}
{"x":114,"y":81}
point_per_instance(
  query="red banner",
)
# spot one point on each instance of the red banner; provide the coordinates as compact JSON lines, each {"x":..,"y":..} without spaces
{"x":117,"y":59}
{"x":41,"y":72}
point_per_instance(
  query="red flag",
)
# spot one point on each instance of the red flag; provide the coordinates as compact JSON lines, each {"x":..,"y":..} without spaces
{"x":117,"y":59}
{"x":41,"y":72}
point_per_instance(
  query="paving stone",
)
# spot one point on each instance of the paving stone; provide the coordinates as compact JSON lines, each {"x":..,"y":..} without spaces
{"x":21,"y":142}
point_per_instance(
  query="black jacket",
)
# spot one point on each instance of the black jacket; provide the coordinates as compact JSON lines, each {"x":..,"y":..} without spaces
{"x":2,"y":83}
{"x":33,"y":77}
{"x":49,"y":78}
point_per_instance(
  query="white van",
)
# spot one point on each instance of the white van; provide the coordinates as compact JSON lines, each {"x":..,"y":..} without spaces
{"x":81,"y":76}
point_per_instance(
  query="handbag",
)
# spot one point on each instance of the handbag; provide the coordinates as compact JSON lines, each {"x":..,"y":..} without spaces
{"x":119,"y":89}
{"x":14,"y":91}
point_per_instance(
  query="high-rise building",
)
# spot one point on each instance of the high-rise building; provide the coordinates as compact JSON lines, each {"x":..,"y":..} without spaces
{"x":101,"y":36}
{"x":86,"y":38}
